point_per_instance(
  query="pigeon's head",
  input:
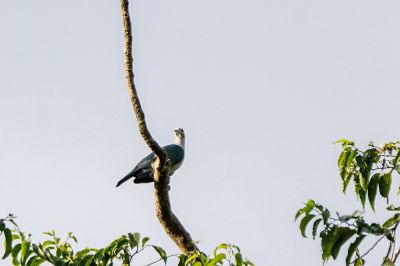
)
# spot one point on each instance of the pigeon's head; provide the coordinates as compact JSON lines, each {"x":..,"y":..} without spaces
{"x":179,"y":133}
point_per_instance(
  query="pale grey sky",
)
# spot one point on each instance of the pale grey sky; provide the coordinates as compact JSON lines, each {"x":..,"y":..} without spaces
{"x":262,"y":88}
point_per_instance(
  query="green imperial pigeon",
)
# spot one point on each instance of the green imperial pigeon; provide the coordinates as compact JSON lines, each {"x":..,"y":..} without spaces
{"x":143,"y":171}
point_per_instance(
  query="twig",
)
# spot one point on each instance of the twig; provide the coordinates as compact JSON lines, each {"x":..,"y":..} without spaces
{"x":391,"y":244}
{"x":398,"y":252}
{"x":154,"y":262}
{"x":397,"y":255}
{"x":136,"y":252}
{"x":370,"y":249}
{"x":167,"y":218}
{"x":387,"y":254}
{"x":394,"y":243}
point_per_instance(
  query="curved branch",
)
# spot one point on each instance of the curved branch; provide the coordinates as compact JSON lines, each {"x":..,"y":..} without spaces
{"x":129,"y":76}
{"x":167,"y":218}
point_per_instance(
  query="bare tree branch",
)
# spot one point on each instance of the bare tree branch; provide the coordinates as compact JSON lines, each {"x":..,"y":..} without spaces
{"x":167,"y":218}
{"x":129,"y":76}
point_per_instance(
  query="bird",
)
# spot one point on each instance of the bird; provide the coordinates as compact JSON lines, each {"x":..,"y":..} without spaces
{"x":143,"y":171}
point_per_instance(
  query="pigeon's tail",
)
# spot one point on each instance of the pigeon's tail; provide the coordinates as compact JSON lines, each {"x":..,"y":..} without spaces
{"x":123,"y":180}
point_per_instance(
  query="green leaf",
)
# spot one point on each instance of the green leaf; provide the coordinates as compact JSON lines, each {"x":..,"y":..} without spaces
{"x":372,"y":155}
{"x":344,"y":218}
{"x":309,"y":206}
{"x":47,"y":244}
{"x":15,"y":251}
{"x":99,"y":255}
{"x":350,"y":160}
{"x":372,"y":189}
{"x":235,"y":247}
{"x":2,"y":225}
{"x":392,"y":208}
{"x":220,"y":246}
{"x":193,"y":257}
{"x":392,"y":220}
{"x":328,"y":240}
{"x":397,"y":158}
{"x":182,"y":259}
{"x":203,"y":258}
{"x":11,"y":220}
{"x":357,"y":214}
{"x":238,"y":259}
{"x":7,"y":242}
{"x":362,"y":164}
{"x":24,"y":250}
{"x":217,"y":259}
{"x":89,"y":261}
{"x":388,"y":262}
{"x":133,"y":239}
{"x":85,"y":259}
{"x":384,"y":184}
{"x":83,"y":252}
{"x":344,"y":142}
{"x":352,"y":248}
{"x":145,"y":240}
{"x":249,"y":263}
{"x":346,"y":182}
{"x":304,"y":222}
{"x":359,"y":262}
{"x":326,"y":215}
{"x":374,"y":228}
{"x":126,"y":258}
{"x":315,"y":227}
{"x":113,"y":246}
{"x":122,"y":246}
{"x":71,"y":235}
{"x":345,"y":159}
{"x":363,"y":195}
{"x":35,"y":249}
{"x":35,"y":261}
{"x":161,"y":252}
{"x":342,"y":159}
{"x":51,"y":233}
{"x":362,"y":181}
{"x":345,"y":234}
{"x":15,"y":261}
{"x":331,"y":237}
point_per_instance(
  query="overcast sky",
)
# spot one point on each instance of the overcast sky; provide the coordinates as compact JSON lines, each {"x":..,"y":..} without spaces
{"x":261,"y":87}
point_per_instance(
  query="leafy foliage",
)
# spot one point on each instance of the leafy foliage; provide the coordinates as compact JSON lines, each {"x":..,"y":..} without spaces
{"x":371,"y":170}
{"x":56,"y":251}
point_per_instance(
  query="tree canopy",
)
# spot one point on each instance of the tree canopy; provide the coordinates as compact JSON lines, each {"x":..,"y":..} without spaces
{"x":60,"y":252}
{"x":371,"y":171}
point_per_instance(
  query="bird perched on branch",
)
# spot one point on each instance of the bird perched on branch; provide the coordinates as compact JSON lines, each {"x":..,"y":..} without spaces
{"x":143,"y":171}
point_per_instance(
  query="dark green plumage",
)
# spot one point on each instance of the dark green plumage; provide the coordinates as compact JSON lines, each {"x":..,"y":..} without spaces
{"x":143,"y":171}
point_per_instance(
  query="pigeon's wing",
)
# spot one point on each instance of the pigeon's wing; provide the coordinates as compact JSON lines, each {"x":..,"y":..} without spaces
{"x":142,"y":171}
